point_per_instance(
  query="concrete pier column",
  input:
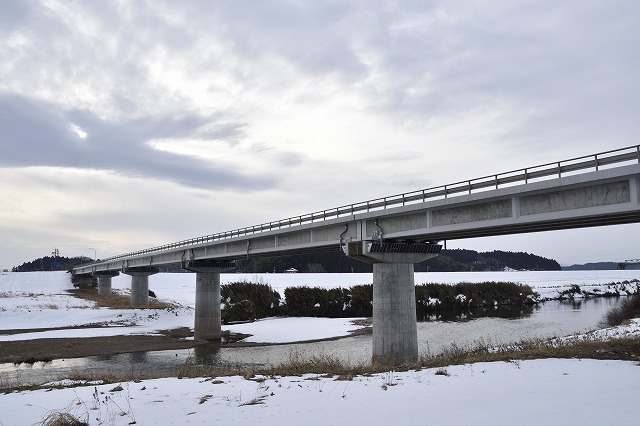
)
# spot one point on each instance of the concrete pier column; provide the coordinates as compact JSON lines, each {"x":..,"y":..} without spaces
{"x":395,"y":329}
{"x":104,"y":285}
{"x":208,"y":319}
{"x":104,"y":281}
{"x":140,"y":284}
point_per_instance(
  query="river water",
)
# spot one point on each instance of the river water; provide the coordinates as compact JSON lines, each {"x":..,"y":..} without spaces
{"x":548,"y":319}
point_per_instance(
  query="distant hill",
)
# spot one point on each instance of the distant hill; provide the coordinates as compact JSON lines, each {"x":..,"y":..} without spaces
{"x":471,"y":260}
{"x":599,"y":266}
{"x":447,"y":261}
{"x":50,"y":263}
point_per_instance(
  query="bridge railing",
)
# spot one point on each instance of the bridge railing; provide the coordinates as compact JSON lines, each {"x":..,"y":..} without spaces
{"x":519,"y":176}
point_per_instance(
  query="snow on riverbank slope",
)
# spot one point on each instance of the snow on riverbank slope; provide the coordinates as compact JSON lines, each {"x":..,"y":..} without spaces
{"x":548,"y":391}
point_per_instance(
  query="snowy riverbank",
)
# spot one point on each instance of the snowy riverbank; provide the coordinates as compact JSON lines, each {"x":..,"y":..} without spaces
{"x":547,"y":391}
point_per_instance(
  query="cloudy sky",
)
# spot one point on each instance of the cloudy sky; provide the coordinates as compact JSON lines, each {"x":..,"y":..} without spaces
{"x":129,"y":124}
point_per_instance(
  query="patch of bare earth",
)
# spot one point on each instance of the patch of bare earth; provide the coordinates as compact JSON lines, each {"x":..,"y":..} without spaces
{"x":116,"y":300}
{"x":30,"y":351}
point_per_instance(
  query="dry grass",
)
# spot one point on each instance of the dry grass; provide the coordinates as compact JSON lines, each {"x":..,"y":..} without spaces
{"x":115,"y":300}
{"x":629,"y":308}
{"x":614,"y":349}
{"x":329,"y":366}
{"x":617,"y":349}
{"x":61,"y":418}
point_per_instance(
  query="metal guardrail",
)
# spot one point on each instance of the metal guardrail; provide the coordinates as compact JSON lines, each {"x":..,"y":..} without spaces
{"x":526,"y":175}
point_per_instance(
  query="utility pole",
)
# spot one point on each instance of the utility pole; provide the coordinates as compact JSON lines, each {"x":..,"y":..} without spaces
{"x":55,"y":254}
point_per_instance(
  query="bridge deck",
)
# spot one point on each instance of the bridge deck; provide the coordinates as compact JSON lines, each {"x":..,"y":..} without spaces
{"x":508,"y":203}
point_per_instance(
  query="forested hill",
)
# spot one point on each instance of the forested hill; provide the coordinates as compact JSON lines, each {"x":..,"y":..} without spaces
{"x":447,"y":261}
{"x":50,"y":263}
{"x":471,"y":260}
{"x":336,"y":261}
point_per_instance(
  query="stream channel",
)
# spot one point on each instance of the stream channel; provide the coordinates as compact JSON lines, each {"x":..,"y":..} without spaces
{"x":548,"y":319}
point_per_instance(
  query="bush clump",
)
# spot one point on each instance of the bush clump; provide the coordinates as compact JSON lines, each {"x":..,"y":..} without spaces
{"x":245,"y":301}
{"x":357,"y":301}
{"x":315,"y":301}
{"x":472,"y":295}
{"x":626,"y":310}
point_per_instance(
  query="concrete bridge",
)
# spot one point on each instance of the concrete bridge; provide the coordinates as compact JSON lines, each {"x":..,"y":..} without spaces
{"x":394,"y":233}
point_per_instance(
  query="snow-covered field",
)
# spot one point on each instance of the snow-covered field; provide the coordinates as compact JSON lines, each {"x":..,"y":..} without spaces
{"x":548,"y":391}
{"x":586,"y":392}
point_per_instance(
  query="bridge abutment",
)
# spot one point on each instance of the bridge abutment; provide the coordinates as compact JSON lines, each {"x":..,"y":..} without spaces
{"x":140,"y":284}
{"x":208,"y":316}
{"x":395,"y":328}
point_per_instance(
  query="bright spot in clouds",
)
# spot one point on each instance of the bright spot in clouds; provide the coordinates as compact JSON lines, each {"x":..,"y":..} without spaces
{"x":78,"y":131}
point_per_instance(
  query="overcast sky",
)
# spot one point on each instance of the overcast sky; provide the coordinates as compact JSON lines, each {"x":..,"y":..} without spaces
{"x":129,"y":124}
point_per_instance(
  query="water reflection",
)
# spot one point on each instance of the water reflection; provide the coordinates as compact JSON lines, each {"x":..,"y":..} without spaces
{"x":208,"y":354}
{"x":138,"y":357}
{"x":508,"y":312}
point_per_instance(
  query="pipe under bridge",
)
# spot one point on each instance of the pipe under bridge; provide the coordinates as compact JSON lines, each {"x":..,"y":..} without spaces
{"x":393,"y":233}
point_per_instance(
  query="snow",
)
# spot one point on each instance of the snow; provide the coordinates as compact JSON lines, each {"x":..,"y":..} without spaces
{"x":559,"y":391}
{"x":282,"y":330}
{"x":547,"y":391}
{"x":632,"y":329}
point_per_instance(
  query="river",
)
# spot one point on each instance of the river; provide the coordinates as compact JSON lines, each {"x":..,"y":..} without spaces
{"x":552,"y":318}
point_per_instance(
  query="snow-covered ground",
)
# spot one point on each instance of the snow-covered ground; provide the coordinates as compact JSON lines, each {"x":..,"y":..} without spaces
{"x":547,"y":391}
{"x":586,"y":392}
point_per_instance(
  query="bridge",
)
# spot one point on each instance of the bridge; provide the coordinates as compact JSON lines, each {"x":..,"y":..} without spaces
{"x":393,"y":233}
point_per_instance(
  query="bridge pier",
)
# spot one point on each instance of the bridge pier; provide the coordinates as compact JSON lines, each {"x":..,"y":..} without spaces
{"x":104,"y":281}
{"x":140,"y":284}
{"x":208,"y":317}
{"x":395,"y":328}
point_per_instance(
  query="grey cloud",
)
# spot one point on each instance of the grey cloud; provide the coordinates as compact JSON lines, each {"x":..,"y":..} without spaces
{"x":13,"y":13}
{"x":228,"y":131}
{"x":312,"y":36}
{"x":569,"y":66}
{"x":38,"y":133}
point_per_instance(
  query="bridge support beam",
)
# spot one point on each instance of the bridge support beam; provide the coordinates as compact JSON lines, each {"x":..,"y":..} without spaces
{"x":208,"y":316}
{"x":140,"y":284}
{"x":104,"y":281}
{"x":395,"y":329}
